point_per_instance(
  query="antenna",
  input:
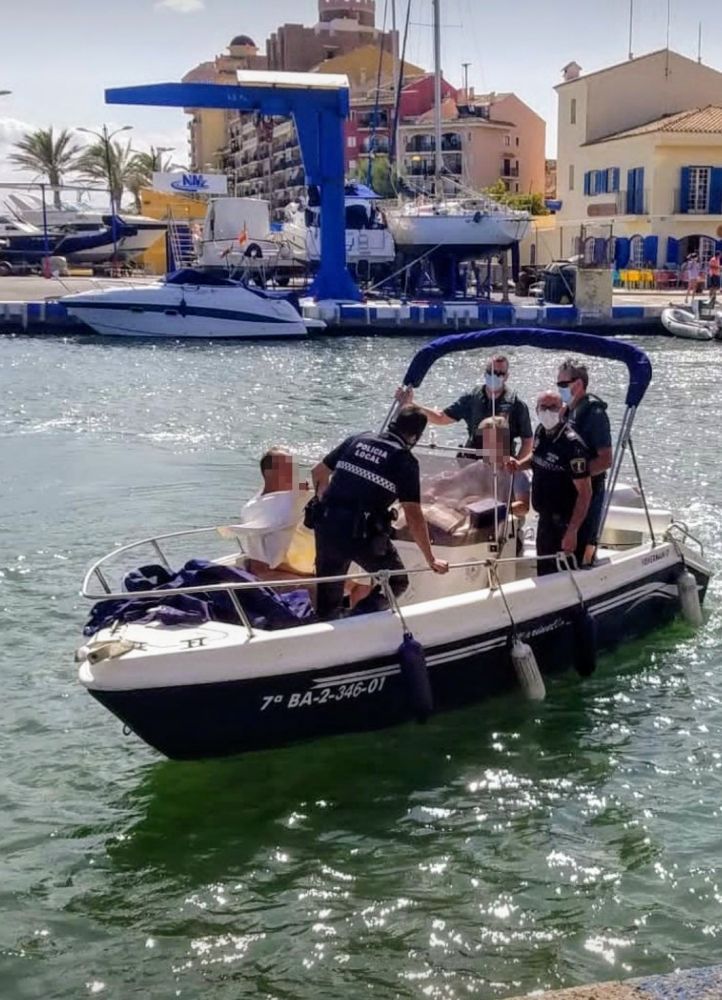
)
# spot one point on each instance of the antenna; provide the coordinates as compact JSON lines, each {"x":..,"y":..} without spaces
{"x":699,"y":43}
{"x":631,"y":22}
{"x":466,"y":80}
{"x":669,"y":20}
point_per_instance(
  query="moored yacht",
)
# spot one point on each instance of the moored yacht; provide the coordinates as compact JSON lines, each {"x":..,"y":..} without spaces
{"x":189,"y":303}
{"x":211,"y":661}
{"x":466,"y":226}
{"x":139,"y":234}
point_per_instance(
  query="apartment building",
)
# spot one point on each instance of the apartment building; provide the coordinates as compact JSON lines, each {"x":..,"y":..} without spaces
{"x":485,"y":138}
{"x":639,"y":164}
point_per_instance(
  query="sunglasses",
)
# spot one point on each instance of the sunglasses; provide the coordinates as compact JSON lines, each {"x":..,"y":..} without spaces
{"x":562,"y":383}
{"x":497,"y":373}
{"x":552,"y":407}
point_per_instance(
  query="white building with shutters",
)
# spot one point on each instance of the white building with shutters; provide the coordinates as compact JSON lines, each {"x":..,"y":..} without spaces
{"x":639,"y":162}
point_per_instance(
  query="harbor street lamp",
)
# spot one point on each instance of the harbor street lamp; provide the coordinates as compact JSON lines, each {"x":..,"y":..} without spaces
{"x":105,"y":138}
{"x":4,"y":93}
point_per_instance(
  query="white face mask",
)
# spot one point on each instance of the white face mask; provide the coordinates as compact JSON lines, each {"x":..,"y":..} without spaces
{"x":549,"y":419}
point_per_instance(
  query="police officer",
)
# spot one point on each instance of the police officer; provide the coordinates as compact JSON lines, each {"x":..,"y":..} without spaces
{"x":493,"y":398}
{"x":560,"y":488}
{"x":587,"y":415}
{"x":356,"y":484}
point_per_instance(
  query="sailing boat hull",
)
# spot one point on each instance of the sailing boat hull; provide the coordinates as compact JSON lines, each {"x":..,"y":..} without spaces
{"x":467,"y":235}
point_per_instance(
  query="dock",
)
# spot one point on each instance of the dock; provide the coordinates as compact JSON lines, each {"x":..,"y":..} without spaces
{"x":693,"y":984}
{"x":34,"y":305}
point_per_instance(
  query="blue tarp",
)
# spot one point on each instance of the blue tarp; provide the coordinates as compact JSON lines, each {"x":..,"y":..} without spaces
{"x":264,"y":608}
{"x":567,"y":342}
{"x":357,"y":190}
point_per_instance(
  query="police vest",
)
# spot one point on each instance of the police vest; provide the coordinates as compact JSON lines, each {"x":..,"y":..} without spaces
{"x":370,"y":472}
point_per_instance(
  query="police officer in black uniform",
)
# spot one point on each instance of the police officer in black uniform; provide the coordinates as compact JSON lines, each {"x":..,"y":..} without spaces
{"x":587,"y":415}
{"x":493,"y":398}
{"x":561,"y":488}
{"x":356,"y":484}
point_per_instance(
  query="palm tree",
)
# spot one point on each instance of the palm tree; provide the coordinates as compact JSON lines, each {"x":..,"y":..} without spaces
{"x":111,"y":163}
{"x":143,"y":167}
{"x":48,"y":155}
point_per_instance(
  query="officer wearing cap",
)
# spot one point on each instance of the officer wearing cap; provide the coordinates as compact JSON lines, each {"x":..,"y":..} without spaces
{"x":356,"y":484}
{"x":587,"y":415}
{"x":560,"y":488}
{"x":492,"y":399}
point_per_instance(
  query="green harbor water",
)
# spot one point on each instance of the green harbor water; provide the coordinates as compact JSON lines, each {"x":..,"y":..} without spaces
{"x":507,"y":847}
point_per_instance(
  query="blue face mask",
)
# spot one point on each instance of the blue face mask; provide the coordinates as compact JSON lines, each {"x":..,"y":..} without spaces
{"x":494,"y":382}
{"x":566,"y":393}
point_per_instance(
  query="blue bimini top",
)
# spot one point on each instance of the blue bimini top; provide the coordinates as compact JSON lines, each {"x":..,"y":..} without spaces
{"x":638,"y":364}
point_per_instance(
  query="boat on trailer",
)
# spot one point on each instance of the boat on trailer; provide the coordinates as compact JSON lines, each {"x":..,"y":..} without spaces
{"x":219,"y":687}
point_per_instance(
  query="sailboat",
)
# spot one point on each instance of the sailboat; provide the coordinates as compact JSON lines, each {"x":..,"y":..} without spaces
{"x":465,"y":226}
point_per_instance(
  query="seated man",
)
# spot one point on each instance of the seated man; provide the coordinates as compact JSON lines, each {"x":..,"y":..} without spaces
{"x":270,"y":521}
{"x":477,"y":479}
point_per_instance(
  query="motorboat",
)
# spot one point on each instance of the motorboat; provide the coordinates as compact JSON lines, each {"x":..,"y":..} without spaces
{"x":29,"y":244}
{"x":370,"y":246}
{"x":140,"y":232}
{"x":690,"y":324}
{"x":190,"y":303}
{"x":202,"y":669}
{"x":467,"y":227}
{"x":236,"y":235}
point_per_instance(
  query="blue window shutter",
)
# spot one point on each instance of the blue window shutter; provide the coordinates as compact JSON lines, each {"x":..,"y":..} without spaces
{"x":600,"y":251}
{"x":631,"y":178}
{"x":587,"y":182}
{"x":615,"y":179}
{"x":604,"y":179}
{"x":672,"y":250}
{"x":639,"y":191}
{"x":715,"y":191}
{"x":621,"y":251}
{"x":684,"y":176}
{"x":650,"y":250}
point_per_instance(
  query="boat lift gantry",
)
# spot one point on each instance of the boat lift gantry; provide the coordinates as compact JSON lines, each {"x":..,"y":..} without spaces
{"x":318,"y":104}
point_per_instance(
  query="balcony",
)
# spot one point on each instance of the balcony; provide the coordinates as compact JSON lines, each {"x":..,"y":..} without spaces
{"x":509,"y":169}
{"x":451,"y":142}
{"x":625,"y":207}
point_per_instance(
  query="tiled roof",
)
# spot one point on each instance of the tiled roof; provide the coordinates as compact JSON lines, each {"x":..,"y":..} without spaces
{"x":704,"y":121}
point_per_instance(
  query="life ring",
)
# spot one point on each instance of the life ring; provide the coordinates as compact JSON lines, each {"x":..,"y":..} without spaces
{"x":253,"y":250}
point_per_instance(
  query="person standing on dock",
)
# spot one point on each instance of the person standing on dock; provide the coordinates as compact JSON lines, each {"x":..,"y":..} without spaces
{"x":587,"y":415}
{"x":713,"y":277}
{"x":492,"y":399}
{"x":691,"y":271}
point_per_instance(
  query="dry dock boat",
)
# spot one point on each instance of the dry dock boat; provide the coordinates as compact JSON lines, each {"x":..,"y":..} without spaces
{"x":235,"y":683}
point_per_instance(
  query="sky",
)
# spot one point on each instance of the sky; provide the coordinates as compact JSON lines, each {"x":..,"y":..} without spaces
{"x":57,"y":58}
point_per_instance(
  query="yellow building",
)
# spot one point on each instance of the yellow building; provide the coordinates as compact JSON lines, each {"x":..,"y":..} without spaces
{"x":639,"y":165}
{"x":175,"y":207}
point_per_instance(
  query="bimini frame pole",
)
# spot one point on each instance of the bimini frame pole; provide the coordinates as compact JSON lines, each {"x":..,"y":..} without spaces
{"x":625,"y":432}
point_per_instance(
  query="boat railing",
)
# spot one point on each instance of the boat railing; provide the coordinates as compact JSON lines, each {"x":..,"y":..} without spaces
{"x":232,"y":588}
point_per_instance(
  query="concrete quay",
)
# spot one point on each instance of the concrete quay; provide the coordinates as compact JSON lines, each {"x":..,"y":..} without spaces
{"x":34,"y":305}
{"x":692,"y":984}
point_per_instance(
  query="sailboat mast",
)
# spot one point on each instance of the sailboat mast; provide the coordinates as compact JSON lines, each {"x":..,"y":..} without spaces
{"x":438,"y":157}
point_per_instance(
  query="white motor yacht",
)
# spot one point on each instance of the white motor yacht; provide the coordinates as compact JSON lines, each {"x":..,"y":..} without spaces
{"x":207,"y":660}
{"x":190,"y":303}
{"x":69,"y":219}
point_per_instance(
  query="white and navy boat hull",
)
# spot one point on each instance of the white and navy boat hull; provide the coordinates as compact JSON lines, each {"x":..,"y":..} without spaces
{"x":208,"y":309}
{"x":224,"y":693}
